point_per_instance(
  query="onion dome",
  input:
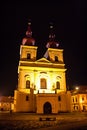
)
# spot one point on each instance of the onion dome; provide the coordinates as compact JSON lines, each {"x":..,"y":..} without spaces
{"x":28,"y":40}
{"x":52,"y":43}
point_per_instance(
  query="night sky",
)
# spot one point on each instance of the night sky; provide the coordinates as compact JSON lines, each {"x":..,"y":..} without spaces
{"x":69,"y":19}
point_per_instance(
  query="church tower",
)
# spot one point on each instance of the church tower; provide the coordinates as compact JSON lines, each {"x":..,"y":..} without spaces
{"x":28,"y":53}
{"x":42,"y":82}
{"x":55,"y":56}
{"x":24,"y":94}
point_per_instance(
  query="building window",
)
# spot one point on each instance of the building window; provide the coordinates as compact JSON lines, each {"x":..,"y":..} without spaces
{"x":28,"y":56}
{"x":84,"y":108}
{"x":73,"y":99}
{"x":77,"y":107}
{"x":43,"y":83}
{"x":56,"y":58}
{"x":58,"y":85}
{"x":59,"y":98}
{"x":82,"y":98}
{"x":27,"y":84}
{"x":27,"y":98}
{"x":76,"y":99}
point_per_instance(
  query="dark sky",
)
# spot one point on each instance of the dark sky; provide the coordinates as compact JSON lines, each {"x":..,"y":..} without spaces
{"x":69,"y":19}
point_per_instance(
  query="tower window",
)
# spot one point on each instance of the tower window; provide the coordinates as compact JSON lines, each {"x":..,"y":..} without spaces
{"x":56,"y":58}
{"x":28,"y":56}
{"x":27,"y":84}
{"x":58,"y":85}
{"x":43,"y":83}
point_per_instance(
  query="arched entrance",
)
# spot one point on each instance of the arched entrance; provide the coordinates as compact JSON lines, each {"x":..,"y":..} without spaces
{"x":47,"y":108}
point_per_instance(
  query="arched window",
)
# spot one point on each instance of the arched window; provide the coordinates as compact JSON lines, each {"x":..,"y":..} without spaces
{"x":56,"y":58}
{"x":28,"y":56}
{"x":43,"y":83}
{"x":27,"y":84}
{"x":58,"y":85}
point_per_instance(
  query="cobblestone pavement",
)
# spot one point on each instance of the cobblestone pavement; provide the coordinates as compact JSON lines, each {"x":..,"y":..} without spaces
{"x":28,"y":121}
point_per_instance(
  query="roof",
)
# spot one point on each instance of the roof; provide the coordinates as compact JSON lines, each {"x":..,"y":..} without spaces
{"x":6,"y":99}
{"x":81,"y":90}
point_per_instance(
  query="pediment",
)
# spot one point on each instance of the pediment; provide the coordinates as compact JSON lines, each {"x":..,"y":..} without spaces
{"x":44,"y":60}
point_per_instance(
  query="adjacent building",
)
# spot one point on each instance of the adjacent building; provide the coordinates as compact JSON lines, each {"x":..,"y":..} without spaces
{"x":79,"y":99}
{"x":6,"y":103}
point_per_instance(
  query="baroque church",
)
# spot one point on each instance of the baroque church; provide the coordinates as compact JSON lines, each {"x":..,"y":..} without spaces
{"x":41,"y":82}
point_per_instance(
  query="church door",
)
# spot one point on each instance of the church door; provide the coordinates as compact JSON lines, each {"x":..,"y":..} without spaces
{"x":47,"y":108}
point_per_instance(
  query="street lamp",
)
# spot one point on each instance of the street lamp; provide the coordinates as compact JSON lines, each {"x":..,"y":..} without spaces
{"x":77,"y":88}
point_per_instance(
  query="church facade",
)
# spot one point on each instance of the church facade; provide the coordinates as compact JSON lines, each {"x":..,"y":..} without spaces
{"x":41,"y":82}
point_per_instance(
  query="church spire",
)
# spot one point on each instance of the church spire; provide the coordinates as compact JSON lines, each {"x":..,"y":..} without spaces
{"x":29,"y":32}
{"x":51,"y":42}
{"x":51,"y":34}
{"x":28,"y":40}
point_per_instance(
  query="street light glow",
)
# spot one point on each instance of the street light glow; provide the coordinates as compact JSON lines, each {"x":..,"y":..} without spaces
{"x":77,"y":88}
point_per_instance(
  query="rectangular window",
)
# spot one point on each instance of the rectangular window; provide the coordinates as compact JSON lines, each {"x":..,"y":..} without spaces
{"x":76,"y":99}
{"x":27,"y":98}
{"x":59,"y":98}
{"x":73,"y":99}
{"x":58,"y":85}
{"x":77,"y":107}
{"x":27,"y":84}
{"x":43,"y":83}
{"x":82,"y":98}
